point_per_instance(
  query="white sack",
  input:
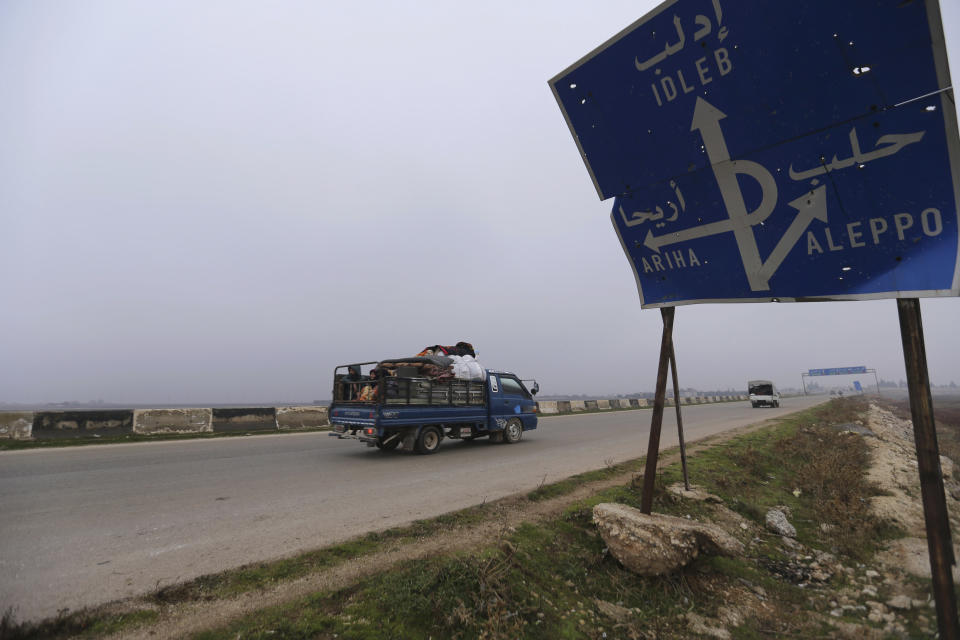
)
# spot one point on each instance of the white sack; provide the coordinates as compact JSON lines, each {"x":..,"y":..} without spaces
{"x":467,"y":368}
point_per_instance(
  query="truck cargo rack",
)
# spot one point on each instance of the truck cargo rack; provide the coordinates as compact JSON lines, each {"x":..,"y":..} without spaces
{"x":406,"y":390}
{"x":425,"y":391}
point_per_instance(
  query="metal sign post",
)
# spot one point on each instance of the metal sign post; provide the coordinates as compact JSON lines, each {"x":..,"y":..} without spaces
{"x":656,"y":420}
{"x":939,"y":544}
{"x":676,"y":401}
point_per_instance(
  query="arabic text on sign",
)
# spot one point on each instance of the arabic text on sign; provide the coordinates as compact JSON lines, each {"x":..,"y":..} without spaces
{"x":704,"y":28}
{"x":891,"y":144}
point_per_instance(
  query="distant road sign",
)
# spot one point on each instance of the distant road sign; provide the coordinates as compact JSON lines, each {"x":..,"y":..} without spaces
{"x":777,"y":151}
{"x":838,"y":371}
{"x":857,"y":386}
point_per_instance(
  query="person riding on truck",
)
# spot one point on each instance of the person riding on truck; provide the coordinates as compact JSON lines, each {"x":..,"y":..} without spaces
{"x":350,"y":382}
{"x":369,"y":391}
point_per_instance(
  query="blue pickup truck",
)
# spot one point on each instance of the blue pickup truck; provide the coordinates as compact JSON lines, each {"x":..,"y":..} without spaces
{"x":385,"y":411}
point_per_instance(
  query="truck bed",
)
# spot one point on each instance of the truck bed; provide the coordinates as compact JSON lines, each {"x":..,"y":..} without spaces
{"x":396,"y":391}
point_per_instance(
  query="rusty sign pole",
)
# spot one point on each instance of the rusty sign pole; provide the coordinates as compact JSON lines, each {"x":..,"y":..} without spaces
{"x":676,"y":401}
{"x":939,"y":544}
{"x":653,"y":448}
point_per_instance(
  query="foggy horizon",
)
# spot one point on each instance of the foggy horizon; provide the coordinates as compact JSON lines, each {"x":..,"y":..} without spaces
{"x":220,"y":203}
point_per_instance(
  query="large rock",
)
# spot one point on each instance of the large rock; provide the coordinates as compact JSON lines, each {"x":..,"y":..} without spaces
{"x":777,"y":522}
{"x":657,"y":544}
{"x":695,"y":493}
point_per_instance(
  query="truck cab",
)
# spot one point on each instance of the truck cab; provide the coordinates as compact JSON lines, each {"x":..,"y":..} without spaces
{"x":763,"y":393}
{"x":510,"y":398}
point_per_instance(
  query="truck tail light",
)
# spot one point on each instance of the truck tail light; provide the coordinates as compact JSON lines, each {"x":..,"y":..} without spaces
{"x":370,"y":431}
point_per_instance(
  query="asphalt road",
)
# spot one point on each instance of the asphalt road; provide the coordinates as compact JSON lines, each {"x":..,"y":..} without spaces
{"x":81,"y":526}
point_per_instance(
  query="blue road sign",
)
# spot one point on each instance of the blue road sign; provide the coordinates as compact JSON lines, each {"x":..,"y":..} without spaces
{"x":837,"y":371}
{"x":856,"y":385}
{"x":785,"y":151}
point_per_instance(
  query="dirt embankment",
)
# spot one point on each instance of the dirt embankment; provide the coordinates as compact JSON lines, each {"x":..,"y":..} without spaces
{"x":894,"y":469}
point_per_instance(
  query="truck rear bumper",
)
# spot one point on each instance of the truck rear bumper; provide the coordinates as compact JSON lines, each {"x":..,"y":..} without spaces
{"x":366,"y":433}
{"x":340,"y":431}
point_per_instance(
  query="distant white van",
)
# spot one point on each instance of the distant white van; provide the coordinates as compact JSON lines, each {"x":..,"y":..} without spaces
{"x":763,"y":393}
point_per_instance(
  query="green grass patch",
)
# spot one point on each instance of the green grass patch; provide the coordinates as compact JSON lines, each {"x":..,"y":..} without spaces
{"x":84,"y":624}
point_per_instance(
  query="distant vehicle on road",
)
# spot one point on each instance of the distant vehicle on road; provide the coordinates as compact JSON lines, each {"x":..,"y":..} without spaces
{"x":763,"y":393}
{"x":384,"y":411}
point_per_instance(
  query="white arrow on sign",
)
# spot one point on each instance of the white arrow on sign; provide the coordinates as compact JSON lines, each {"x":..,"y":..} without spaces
{"x":706,"y":120}
{"x":810,"y":207}
{"x":710,"y":229}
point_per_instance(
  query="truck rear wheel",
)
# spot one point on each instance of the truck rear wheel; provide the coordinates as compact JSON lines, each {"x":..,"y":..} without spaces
{"x":513,"y":432}
{"x":429,"y":440}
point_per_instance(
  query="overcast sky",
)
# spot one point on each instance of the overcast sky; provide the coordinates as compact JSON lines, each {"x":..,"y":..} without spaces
{"x":221,"y":201}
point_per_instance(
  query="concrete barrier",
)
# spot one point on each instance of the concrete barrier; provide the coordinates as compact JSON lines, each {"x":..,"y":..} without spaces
{"x":302,"y":417}
{"x":81,"y":423}
{"x":547,"y":407}
{"x":244,"y":419}
{"x":16,"y":425}
{"x":86,"y":423}
{"x":150,"y":421}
